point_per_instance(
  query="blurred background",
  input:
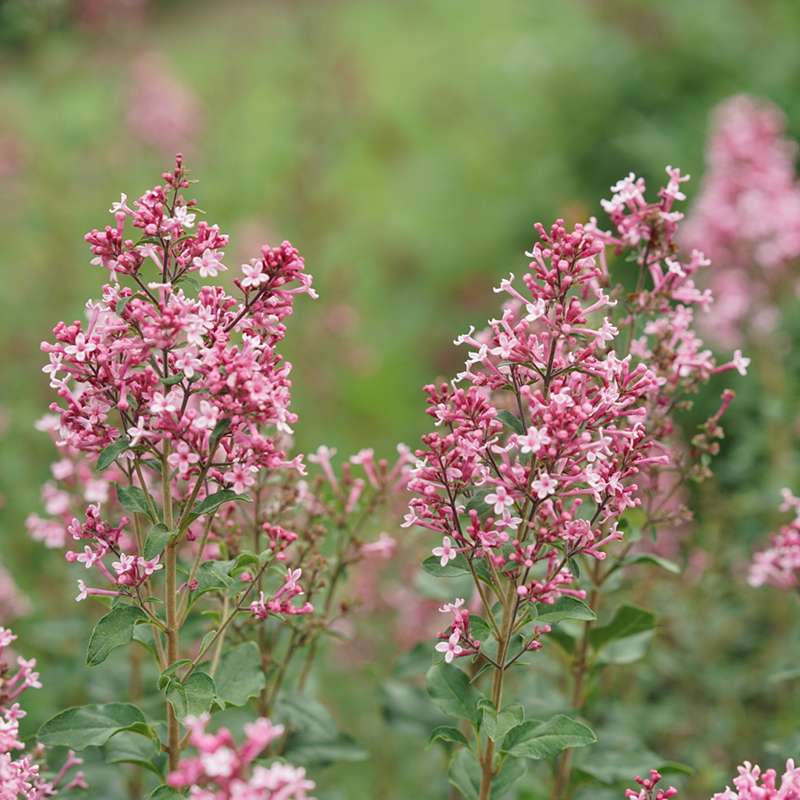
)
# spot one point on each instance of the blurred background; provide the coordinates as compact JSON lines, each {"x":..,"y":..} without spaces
{"x":405,"y":149}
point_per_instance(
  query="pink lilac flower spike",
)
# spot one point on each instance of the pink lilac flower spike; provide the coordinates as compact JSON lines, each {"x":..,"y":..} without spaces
{"x":162,"y":373}
{"x":21,"y":775}
{"x":779,"y":564}
{"x":223,"y":770}
{"x":747,"y":217}
{"x":753,"y":784}
{"x":563,"y":416}
{"x":649,"y":788}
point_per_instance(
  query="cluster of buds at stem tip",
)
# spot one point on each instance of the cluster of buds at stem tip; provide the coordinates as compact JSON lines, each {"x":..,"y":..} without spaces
{"x":650,"y":790}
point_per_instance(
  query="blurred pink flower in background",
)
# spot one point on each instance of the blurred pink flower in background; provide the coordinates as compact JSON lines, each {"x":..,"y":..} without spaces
{"x":161,"y":111}
{"x":13,"y":603}
{"x":747,"y":217}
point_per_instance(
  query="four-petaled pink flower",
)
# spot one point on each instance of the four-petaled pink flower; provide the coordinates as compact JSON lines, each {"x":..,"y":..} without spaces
{"x":209,"y":265}
{"x":534,"y":440}
{"x":254,"y":275}
{"x":544,"y":485}
{"x":82,"y":348}
{"x":451,"y":648}
{"x":183,"y":459}
{"x":500,"y":499}
{"x":446,"y":552}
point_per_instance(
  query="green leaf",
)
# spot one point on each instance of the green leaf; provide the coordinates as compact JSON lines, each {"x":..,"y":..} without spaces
{"x":156,"y":540}
{"x":314,"y":738}
{"x":165,"y":793}
{"x":193,"y":696}
{"x":496,"y":724}
{"x":453,"y":569}
{"x":511,"y":421}
{"x":306,"y":715}
{"x":409,"y":708}
{"x":539,"y":740}
{"x":562,"y":639}
{"x":113,"y":630}
{"x":446,"y":733}
{"x":512,"y":770}
{"x":110,"y":454}
{"x":220,"y":429}
{"x":479,"y":628}
{"x":92,"y":725}
{"x":450,"y":690}
{"x":465,"y":774}
{"x":652,"y":558}
{"x":565,"y":608}
{"x":132,"y":748}
{"x":133,"y":500}
{"x":168,"y":675}
{"x":627,"y":621}
{"x":240,"y":676}
{"x":627,"y":650}
{"x":213,"y":576}
{"x":213,"y":502}
{"x":301,"y":750}
{"x":171,"y":380}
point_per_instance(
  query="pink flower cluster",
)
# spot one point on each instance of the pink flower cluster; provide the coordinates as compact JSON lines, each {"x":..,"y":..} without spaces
{"x":21,"y":777}
{"x":649,"y":788}
{"x":752,"y":784}
{"x":565,"y":413}
{"x":223,"y":770}
{"x":12,"y":602}
{"x":747,"y":216}
{"x":161,"y":110}
{"x":779,"y":564}
{"x":281,"y":600}
{"x":192,"y":381}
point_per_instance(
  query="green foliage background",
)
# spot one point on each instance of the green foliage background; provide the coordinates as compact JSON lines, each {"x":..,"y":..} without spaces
{"x":406,"y":148}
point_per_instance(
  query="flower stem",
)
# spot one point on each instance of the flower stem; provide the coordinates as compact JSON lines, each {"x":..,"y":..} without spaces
{"x":509,"y":615}
{"x":171,"y":605}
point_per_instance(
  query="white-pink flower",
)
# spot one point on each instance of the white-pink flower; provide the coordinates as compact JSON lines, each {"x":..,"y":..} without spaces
{"x":451,"y":648}
{"x":446,"y":552}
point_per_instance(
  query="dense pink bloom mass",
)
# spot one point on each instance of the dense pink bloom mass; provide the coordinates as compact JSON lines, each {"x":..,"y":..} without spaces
{"x":562,"y":415}
{"x":181,"y":384}
{"x":747,"y":216}
{"x":223,"y":770}
{"x":753,"y":784}
{"x":779,"y":564}
{"x":21,"y":776}
{"x":750,"y":784}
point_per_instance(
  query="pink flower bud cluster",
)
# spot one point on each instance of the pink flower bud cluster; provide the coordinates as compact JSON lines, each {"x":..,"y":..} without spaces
{"x":223,"y":770}
{"x":779,"y":564}
{"x":281,"y":600}
{"x":21,"y":776}
{"x":562,"y":414}
{"x":747,"y":216}
{"x":650,"y":790}
{"x":753,"y":784}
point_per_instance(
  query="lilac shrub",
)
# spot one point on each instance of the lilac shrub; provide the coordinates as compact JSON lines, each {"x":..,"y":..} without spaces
{"x":174,"y":491}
